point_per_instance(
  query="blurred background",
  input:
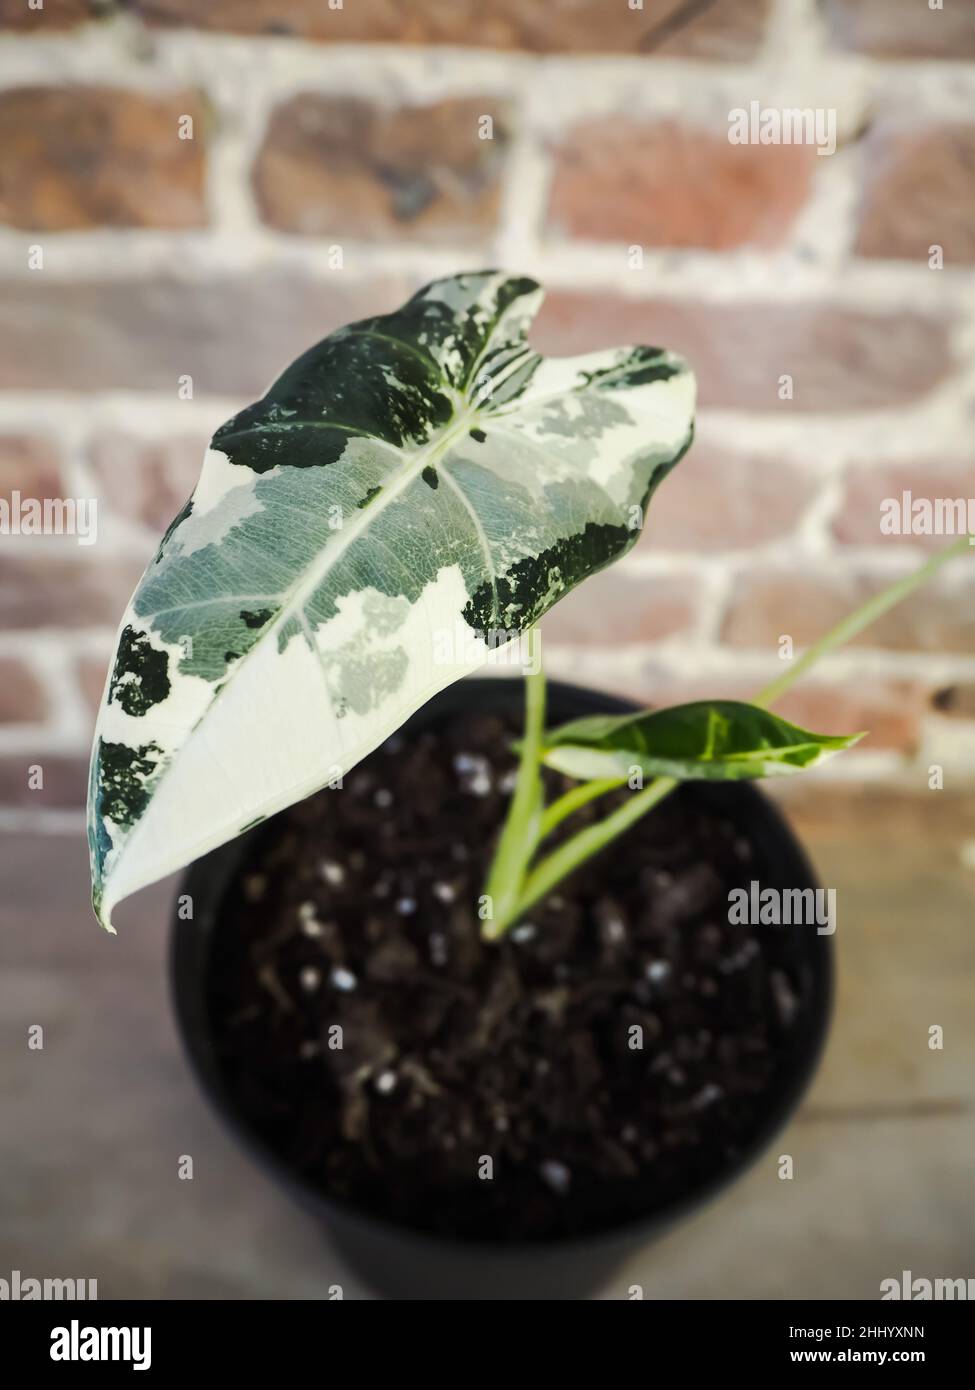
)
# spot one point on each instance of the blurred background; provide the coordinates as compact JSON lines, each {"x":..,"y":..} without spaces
{"x":191,"y":195}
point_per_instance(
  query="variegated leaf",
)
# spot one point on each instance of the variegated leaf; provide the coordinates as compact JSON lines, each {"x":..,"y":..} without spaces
{"x":408,"y":487}
{"x":710,"y":740}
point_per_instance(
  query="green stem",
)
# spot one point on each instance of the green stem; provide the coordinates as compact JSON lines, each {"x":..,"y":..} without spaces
{"x":569,"y":856}
{"x":855,"y":622}
{"x":574,"y":798}
{"x":519,"y":834}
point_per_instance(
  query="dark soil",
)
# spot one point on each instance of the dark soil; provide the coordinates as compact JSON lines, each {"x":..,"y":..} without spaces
{"x":359,"y":910}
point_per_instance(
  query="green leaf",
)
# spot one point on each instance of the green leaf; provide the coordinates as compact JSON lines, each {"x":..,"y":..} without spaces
{"x":410,"y":492}
{"x":716,"y":740}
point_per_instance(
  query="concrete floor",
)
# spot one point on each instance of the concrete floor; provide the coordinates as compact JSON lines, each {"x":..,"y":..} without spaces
{"x":92,"y":1127}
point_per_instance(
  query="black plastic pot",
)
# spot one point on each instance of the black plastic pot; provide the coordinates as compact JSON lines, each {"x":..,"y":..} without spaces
{"x":402,"y":1263}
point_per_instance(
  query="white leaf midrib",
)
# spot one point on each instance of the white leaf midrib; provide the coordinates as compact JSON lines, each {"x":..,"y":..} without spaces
{"x":413,"y":465}
{"x":294,"y":602}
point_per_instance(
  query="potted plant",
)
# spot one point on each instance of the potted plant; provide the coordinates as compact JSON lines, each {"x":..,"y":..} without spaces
{"x":491,"y":1056}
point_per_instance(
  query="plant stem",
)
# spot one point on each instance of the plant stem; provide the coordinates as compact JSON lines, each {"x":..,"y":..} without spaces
{"x":855,"y":622}
{"x":564,"y":860}
{"x":582,"y":846}
{"x":519,"y":834}
{"x":574,"y":798}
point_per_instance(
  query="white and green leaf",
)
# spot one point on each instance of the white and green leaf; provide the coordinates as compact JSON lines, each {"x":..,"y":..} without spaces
{"x":408,"y":489}
{"x":709,"y":740}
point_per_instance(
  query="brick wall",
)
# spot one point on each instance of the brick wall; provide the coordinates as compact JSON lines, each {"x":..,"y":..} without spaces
{"x":323,"y":135}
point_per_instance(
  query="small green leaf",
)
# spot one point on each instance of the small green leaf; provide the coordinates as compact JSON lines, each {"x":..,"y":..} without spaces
{"x":710,"y":740}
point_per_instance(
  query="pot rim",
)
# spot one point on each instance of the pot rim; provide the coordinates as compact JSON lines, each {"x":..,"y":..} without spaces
{"x":210,"y":876}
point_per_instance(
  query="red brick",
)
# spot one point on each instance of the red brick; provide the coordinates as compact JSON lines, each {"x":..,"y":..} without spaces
{"x":56,"y":14}
{"x":890,"y":711}
{"x":91,"y":672}
{"x":29,"y":464}
{"x":840,"y":359}
{"x":232,"y":335}
{"x":670,"y":185}
{"x":22,"y":698}
{"x":939,"y":617}
{"x":902,"y":28}
{"x":920,"y":186}
{"x":857,"y":520}
{"x":73,"y":157}
{"x":41,"y":590}
{"x":146,"y":481}
{"x":717,"y":499}
{"x":618,"y":606}
{"x":65,"y":781}
{"x":332,"y":166}
{"x":731,"y":30}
